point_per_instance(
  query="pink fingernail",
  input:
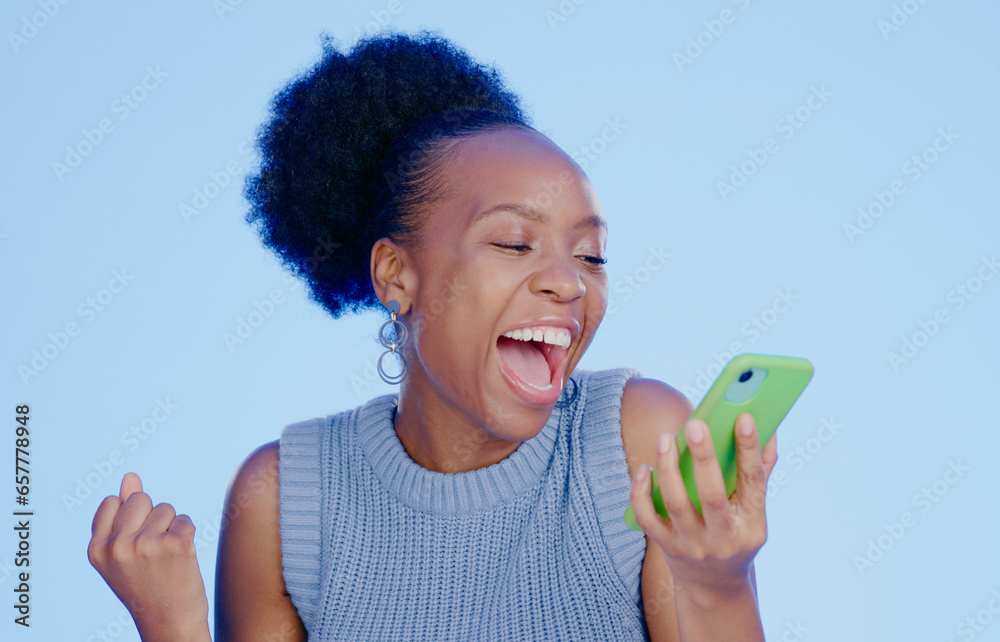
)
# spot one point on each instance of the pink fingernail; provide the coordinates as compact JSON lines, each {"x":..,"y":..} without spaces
{"x":695,"y":433}
{"x":664,"y":443}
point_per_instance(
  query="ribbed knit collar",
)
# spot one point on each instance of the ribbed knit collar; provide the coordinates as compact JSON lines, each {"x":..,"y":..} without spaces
{"x":450,"y":494}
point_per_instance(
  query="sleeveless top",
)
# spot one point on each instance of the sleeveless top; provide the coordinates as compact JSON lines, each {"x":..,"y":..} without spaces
{"x":534,"y":547}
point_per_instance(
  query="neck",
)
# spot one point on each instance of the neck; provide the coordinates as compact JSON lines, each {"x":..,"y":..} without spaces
{"x":441,"y":436}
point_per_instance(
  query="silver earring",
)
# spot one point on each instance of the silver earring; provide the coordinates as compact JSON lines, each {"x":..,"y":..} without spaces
{"x":392,"y":345}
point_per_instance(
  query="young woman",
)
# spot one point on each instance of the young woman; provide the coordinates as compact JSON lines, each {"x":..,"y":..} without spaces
{"x":484,"y":501}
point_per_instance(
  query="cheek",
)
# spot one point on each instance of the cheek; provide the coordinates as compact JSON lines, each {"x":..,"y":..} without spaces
{"x":597,"y":293}
{"x":453,"y":323}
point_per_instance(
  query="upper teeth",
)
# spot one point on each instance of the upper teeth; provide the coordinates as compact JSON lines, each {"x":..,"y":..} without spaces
{"x":548,"y":335}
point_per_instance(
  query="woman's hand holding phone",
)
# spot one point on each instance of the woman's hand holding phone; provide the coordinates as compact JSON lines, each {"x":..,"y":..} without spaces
{"x":146,"y":554}
{"x":712,"y":550}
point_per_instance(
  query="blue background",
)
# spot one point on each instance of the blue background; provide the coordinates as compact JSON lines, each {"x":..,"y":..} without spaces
{"x":695,"y":94}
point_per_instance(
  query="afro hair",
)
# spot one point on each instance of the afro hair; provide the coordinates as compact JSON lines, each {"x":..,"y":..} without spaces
{"x":353,"y":148}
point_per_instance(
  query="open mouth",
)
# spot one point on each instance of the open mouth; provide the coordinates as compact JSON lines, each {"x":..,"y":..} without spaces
{"x":533,"y":361}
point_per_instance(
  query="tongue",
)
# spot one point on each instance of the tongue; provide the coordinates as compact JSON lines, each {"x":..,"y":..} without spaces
{"x":524,"y":360}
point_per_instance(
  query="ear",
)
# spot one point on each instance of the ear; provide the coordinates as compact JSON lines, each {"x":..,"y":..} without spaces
{"x":393,"y":274}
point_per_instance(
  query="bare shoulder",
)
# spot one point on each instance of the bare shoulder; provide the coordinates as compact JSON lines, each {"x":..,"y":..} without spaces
{"x":649,"y":407}
{"x":250,"y":595}
{"x":254,"y":486}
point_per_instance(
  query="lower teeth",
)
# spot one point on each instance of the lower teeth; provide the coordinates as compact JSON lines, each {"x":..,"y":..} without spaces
{"x":545,"y":387}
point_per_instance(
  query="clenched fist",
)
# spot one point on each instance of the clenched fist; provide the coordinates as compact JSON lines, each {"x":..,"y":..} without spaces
{"x":146,"y":554}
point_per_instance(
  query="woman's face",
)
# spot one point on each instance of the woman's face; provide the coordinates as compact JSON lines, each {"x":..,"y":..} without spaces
{"x":510,"y":282}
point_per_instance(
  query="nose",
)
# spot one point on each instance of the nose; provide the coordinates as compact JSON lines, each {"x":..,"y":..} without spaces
{"x":559,"y":280}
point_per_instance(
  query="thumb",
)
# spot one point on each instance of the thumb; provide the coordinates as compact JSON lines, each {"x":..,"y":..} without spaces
{"x":130,"y":484}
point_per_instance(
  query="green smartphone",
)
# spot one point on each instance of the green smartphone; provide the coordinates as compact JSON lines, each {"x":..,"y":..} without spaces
{"x":766,"y":386}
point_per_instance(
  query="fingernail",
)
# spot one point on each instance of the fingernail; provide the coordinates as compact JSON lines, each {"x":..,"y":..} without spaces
{"x":745,"y":428}
{"x":640,"y":475}
{"x":695,"y":433}
{"x":664,"y":443}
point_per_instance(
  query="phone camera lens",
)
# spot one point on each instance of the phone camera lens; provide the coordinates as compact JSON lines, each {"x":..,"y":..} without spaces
{"x":746,"y":376}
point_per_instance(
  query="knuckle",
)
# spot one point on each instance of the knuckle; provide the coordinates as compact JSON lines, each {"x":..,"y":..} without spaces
{"x":703,"y":454}
{"x":673,"y":505}
{"x":756,"y":500}
{"x":95,"y":554}
{"x":120,"y":548}
{"x":175,"y":546}
{"x":164,"y":508}
{"x":698,"y":553}
{"x":107,"y":502}
{"x":186,"y":532}
{"x":147,"y":546}
{"x":754,"y":476}
{"x":715,"y":502}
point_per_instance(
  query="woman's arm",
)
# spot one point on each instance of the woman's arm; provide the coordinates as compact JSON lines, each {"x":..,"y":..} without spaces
{"x":251,"y":603}
{"x":698,"y":579}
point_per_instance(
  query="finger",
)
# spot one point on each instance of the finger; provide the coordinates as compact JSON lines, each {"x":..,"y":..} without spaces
{"x":130,"y":484}
{"x":675,"y":496}
{"x":158,"y":520}
{"x":104,"y":517}
{"x":183,"y":528}
{"x":132,"y":514}
{"x":715,"y":507}
{"x":751,"y":478}
{"x":642,"y":504}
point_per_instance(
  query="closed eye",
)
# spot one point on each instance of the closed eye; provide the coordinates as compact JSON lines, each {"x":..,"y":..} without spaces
{"x":594,"y":260}
{"x":514,"y":247}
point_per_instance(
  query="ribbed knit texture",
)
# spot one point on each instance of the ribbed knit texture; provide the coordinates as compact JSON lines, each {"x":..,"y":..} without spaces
{"x":376,"y":547}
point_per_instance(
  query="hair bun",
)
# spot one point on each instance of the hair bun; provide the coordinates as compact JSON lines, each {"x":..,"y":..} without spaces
{"x":318,"y":199}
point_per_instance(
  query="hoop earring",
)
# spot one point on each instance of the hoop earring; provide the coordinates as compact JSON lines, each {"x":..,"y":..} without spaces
{"x":568,"y":401}
{"x":393,"y":344}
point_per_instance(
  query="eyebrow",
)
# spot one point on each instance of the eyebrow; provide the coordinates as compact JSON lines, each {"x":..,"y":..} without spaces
{"x":532,"y":214}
